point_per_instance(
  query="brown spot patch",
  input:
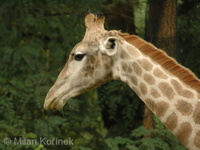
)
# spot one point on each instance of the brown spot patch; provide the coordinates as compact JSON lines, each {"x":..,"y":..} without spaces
{"x":187,"y":94}
{"x":155,"y":93}
{"x":130,"y":70}
{"x":145,"y":64}
{"x":97,"y":63}
{"x":171,"y":122}
{"x":91,"y":59}
{"x":149,"y":79}
{"x":103,"y":57}
{"x":184,"y":107}
{"x":151,"y":104}
{"x":176,"y":85}
{"x":179,"y":89}
{"x":196,"y":114}
{"x":143,"y":88}
{"x":158,"y":73}
{"x":166,"y":89}
{"x":133,"y":80}
{"x":136,"y":91}
{"x":184,"y":133}
{"x":133,"y":51}
{"x":158,"y":108}
{"x":124,"y":66}
{"x":106,"y":66}
{"x":197,"y":139}
{"x":90,"y":70}
{"x":162,"y":107}
{"x":137,"y":69}
{"x":124,"y":55}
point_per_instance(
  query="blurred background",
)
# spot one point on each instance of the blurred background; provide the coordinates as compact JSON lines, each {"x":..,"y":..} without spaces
{"x":36,"y":37}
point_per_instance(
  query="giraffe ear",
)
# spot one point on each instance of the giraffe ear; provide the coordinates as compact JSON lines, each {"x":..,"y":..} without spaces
{"x":109,"y":46}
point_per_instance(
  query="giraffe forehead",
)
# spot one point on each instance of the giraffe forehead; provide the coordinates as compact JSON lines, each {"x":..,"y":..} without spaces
{"x":91,"y":43}
{"x":85,"y":47}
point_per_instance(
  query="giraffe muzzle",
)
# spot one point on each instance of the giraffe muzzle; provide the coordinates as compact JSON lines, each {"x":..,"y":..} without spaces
{"x":53,"y":104}
{"x":56,"y":99}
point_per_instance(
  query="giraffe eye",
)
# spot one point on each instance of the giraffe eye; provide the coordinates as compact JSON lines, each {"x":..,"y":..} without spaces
{"x":79,"y":56}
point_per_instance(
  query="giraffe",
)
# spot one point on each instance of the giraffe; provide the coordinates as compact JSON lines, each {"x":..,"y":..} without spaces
{"x":170,"y":90}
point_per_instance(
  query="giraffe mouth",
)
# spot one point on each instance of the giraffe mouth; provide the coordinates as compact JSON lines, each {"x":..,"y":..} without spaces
{"x":57,"y":97}
{"x":57,"y":103}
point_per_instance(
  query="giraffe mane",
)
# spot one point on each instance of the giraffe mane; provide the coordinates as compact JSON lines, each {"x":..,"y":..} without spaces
{"x":164,"y":60}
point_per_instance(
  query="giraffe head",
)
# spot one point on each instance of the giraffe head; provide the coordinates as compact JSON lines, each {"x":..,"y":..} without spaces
{"x":89,"y":64}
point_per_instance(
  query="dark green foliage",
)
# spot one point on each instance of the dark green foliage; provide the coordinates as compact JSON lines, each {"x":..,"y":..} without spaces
{"x":120,"y":108}
{"x":142,"y":139}
{"x":188,"y":25}
{"x":35,"y":40}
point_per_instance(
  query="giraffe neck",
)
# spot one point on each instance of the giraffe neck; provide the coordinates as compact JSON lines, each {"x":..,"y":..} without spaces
{"x":176,"y":104}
